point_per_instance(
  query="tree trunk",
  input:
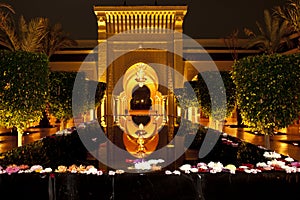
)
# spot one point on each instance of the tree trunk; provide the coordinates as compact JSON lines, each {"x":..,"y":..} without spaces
{"x":238,"y":117}
{"x":20,"y":137}
{"x":63,"y":124}
{"x":267,"y":141}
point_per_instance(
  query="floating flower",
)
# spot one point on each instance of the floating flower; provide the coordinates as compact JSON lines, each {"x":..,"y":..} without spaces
{"x":185,"y":167}
{"x":120,"y":171}
{"x":289,"y":159}
{"x":168,"y":172}
{"x":23,"y":167}
{"x":112,"y":173}
{"x":155,"y":168}
{"x":91,"y":170}
{"x":36,"y":168}
{"x":215,"y":166}
{"x":231,"y":168}
{"x":176,"y":172}
{"x":272,"y":155}
{"x":142,"y":166}
{"x":61,"y":169}
{"x":194,"y":169}
{"x":295,"y":164}
{"x":10,"y":169}
{"x":47,"y":170}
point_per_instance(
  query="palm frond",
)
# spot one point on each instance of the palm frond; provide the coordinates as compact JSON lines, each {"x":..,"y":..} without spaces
{"x":57,"y":39}
{"x":8,"y":7}
{"x":8,"y":31}
{"x":7,"y":27}
{"x":268,"y":22}
{"x":36,"y":32}
{"x":290,"y":12}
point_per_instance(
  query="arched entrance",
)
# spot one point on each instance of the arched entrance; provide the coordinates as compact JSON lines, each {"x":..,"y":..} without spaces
{"x":141,"y":98}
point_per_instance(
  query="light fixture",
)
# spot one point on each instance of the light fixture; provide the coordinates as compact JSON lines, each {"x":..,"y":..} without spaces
{"x":140,"y":75}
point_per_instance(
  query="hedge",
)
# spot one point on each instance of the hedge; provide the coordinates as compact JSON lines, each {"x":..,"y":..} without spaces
{"x":268,"y":89}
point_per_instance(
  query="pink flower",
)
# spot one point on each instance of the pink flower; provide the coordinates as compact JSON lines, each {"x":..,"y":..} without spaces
{"x":10,"y":169}
{"x":295,"y":164}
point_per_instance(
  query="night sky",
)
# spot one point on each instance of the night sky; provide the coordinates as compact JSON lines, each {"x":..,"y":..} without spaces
{"x":205,"y":19}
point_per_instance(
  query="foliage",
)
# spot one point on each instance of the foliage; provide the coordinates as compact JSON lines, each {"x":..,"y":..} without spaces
{"x":23,"y":87}
{"x":185,"y":97}
{"x":60,"y":94}
{"x":25,"y":36}
{"x":95,"y":92}
{"x":35,"y":35}
{"x":204,"y":95}
{"x":267,"y":89}
{"x":51,"y":151}
{"x":100,"y":91}
{"x":271,"y":36}
{"x":290,"y":12}
{"x":249,"y":153}
{"x":56,"y":39}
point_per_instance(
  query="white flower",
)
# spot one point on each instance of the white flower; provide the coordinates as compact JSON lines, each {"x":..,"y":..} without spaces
{"x":194,"y":170}
{"x":110,"y":172}
{"x":176,"y":172}
{"x":185,"y":167}
{"x":168,"y":172}
{"x":92,"y":170}
{"x":261,"y":164}
{"x":36,"y":168}
{"x":215,"y":166}
{"x":48,"y":170}
{"x":142,"y":166}
{"x":268,"y":154}
{"x":276,"y":163}
{"x":99,"y":172}
{"x":289,"y":159}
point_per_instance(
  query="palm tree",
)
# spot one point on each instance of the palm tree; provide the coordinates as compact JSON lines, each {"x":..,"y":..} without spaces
{"x":6,"y":23}
{"x":272,"y":35}
{"x":31,"y":34}
{"x":290,"y":12}
{"x":37,"y":35}
{"x":26,"y":36}
{"x":56,"y":39}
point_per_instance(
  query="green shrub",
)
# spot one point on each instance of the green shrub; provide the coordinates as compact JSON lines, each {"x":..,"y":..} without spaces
{"x":60,"y":94}
{"x":204,"y":96}
{"x":268,"y":89}
{"x":23,"y":88}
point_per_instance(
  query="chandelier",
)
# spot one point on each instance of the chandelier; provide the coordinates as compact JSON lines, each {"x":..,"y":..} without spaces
{"x":140,"y":75}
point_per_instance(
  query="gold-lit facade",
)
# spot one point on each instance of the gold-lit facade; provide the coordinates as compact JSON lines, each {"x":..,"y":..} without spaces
{"x":123,"y":62}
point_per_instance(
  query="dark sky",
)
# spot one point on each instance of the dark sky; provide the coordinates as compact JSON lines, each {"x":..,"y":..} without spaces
{"x":205,"y":19}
